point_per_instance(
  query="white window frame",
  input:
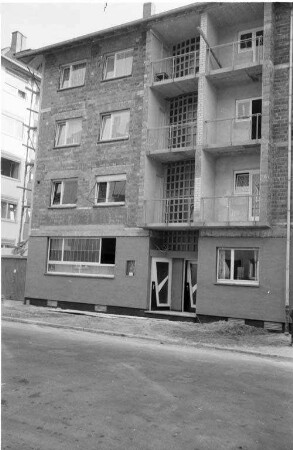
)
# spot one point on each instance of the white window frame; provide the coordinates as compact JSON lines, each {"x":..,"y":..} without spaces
{"x":252,"y":282}
{"x":14,"y":135}
{"x":66,"y":122}
{"x":253,"y":32}
{"x":112,"y":115}
{"x":17,"y":161}
{"x":115,"y":54}
{"x":107,"y":179}
{"x":243,"y":100}
{"x":10,"y":202}
{"x":251,"y":172}
{"x":70,"y":66}
{"x":61,"y":205}
{"x":78,"y":263}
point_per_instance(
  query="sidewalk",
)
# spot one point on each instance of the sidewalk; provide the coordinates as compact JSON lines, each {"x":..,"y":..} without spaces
{"x":218,"y":335}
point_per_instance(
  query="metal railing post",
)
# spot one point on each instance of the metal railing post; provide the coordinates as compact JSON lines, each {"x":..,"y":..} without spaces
{"x":231,"y":131}
{"x":233,"y":55}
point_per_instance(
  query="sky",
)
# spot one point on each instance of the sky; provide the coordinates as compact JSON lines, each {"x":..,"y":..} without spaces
{"x":45,"y":23}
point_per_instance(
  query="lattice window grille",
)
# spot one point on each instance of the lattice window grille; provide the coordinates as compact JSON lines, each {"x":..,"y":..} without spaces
{"x":179,"y":191}
{"x":183,"y":110}
{"x":184,"y":241}
{"x":186,"y":63}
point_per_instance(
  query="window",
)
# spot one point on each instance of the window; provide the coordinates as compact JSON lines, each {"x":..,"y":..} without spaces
{"x":8,"y":210}
{"x":118,"y":64}
{"x":10,"y":168}
{"x":238,"y":266}
{"x":72,"y":75}
{"x":110,"y":189}
{"x":64,"y":192}
{"x":11,"y":126}
{"x":115,"y":126}
{"x":250,"y":39}
{"x":82,"y":256}
{"x":130,"y":268}
{"x":68,"y":132}
{"x":13,"y":90}
{"x":243,"y":109}
{"x":247,"y":185}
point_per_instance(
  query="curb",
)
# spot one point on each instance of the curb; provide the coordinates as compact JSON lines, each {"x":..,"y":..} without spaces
{"x":148,"y":338}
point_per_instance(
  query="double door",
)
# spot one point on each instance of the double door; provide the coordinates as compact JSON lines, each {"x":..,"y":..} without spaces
{"x":173,"y":285}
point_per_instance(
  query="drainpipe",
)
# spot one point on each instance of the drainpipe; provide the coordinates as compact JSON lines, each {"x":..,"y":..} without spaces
{"x":288,"y":240}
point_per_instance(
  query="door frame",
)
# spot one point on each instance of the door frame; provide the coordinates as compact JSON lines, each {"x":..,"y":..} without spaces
{"x":154,"y":278}
{"x":186,"y":261}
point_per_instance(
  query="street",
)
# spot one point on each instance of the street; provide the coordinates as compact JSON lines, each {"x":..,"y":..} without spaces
{"x":70,"y":390}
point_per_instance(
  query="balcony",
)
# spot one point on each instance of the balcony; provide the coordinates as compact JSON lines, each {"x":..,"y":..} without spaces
{"x":243,"y":57}
{"x":169,"y":213}
{"x":234,"y":210}
{"x":222,"y":133}
{"x":172,"y":142}
{"x":175,"y":75}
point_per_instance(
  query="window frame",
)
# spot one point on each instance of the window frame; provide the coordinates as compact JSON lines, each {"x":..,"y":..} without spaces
{"x":15,"y":119}
{"x":62,"y":181}
{"x":16,"y":161}
{"x":251,"y":172}
{"x":9,"y":202}
{"x":115,"y":54}
{"x":242,"y":100}
{"x":107,"y":179}
{"x":78,"y":263}
{"x":253,"y":32}
{"x":231,"y":280}
{"x":112,"y":114}
{"x":70,"y":67}
{"x":57,"y":131}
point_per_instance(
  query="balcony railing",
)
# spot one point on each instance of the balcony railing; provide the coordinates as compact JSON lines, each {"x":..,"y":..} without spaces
{"x":169,"y":211}
{"x":237,"y":208}
{"x":238,"y":53}
{"x":175,"y":67}
{"x":227,"y":132}
{"x":171,"y":137}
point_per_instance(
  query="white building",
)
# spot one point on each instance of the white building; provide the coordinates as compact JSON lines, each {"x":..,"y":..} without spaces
{"x":20,"y":104}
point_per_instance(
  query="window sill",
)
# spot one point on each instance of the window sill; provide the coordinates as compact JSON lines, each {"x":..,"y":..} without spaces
{"x":104,"y":205}
{"x":81,"y":275}
{"x":237,"y":283}
{"x":107,"y":141}
{"x":70,"y":88}
{"x":62,"y":207}
{"x":8,"y":220}
{"x":10,"y":178}
{"x":65,"y":146}
{"x":116,"y":78}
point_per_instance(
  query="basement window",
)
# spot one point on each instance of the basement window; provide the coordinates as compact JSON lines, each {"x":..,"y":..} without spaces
{"x":118,"y":64}
{"x":82,"y":256}
{"x":68,"y":132}
{"x":10,"y":168}
{"x":110,"y":190}
{"x":64,"y":192}
{"x":115,"y":125}
{"x":8,"y":210}
{"x":72,"y":75}
{"x":238,"y":266}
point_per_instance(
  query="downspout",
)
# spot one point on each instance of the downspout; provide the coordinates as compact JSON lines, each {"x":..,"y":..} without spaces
{"x":288,"y":239}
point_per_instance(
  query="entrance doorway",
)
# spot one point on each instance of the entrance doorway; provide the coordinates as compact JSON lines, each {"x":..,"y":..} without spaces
{"x":173,"y":285}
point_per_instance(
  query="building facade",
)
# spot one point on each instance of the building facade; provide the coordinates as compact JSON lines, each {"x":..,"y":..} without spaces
{"x":162,"y":174}
{"x":20,"y":104}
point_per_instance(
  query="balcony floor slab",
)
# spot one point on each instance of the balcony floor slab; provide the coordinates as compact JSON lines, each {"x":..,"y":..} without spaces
{"x":228,"y":76}
{"x":170,"y":155}
{"x":172,"y":87}
{"x":249,"y":147}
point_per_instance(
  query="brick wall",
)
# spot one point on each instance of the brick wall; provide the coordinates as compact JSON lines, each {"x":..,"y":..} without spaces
{"x":90,"y":158}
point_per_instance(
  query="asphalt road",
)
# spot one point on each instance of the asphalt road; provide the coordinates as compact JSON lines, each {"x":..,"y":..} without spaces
{"x":67,"y":390}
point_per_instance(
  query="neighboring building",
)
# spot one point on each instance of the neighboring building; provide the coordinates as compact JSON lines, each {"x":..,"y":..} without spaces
{"x":161,"y":178}
{"x":20,"y":104}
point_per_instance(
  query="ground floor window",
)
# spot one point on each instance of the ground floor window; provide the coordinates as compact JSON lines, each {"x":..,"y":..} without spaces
{"x":238,"y":265}
{"x":82,"y":256}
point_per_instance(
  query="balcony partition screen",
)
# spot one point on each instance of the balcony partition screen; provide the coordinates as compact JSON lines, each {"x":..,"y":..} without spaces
{"x":186,"y":63}
{"x":179,"y":190}
{"x":183,"y":116}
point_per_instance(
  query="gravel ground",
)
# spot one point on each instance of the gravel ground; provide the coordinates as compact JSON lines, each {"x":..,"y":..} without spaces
{"x":219,"y":334}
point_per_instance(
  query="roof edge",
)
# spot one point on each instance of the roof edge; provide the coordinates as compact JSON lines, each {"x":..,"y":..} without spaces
{"x":42,"y":50}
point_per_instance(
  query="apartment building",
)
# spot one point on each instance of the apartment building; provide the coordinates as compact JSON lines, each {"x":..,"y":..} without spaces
{"x":20,"y":103}
{"x":161,"y":182}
